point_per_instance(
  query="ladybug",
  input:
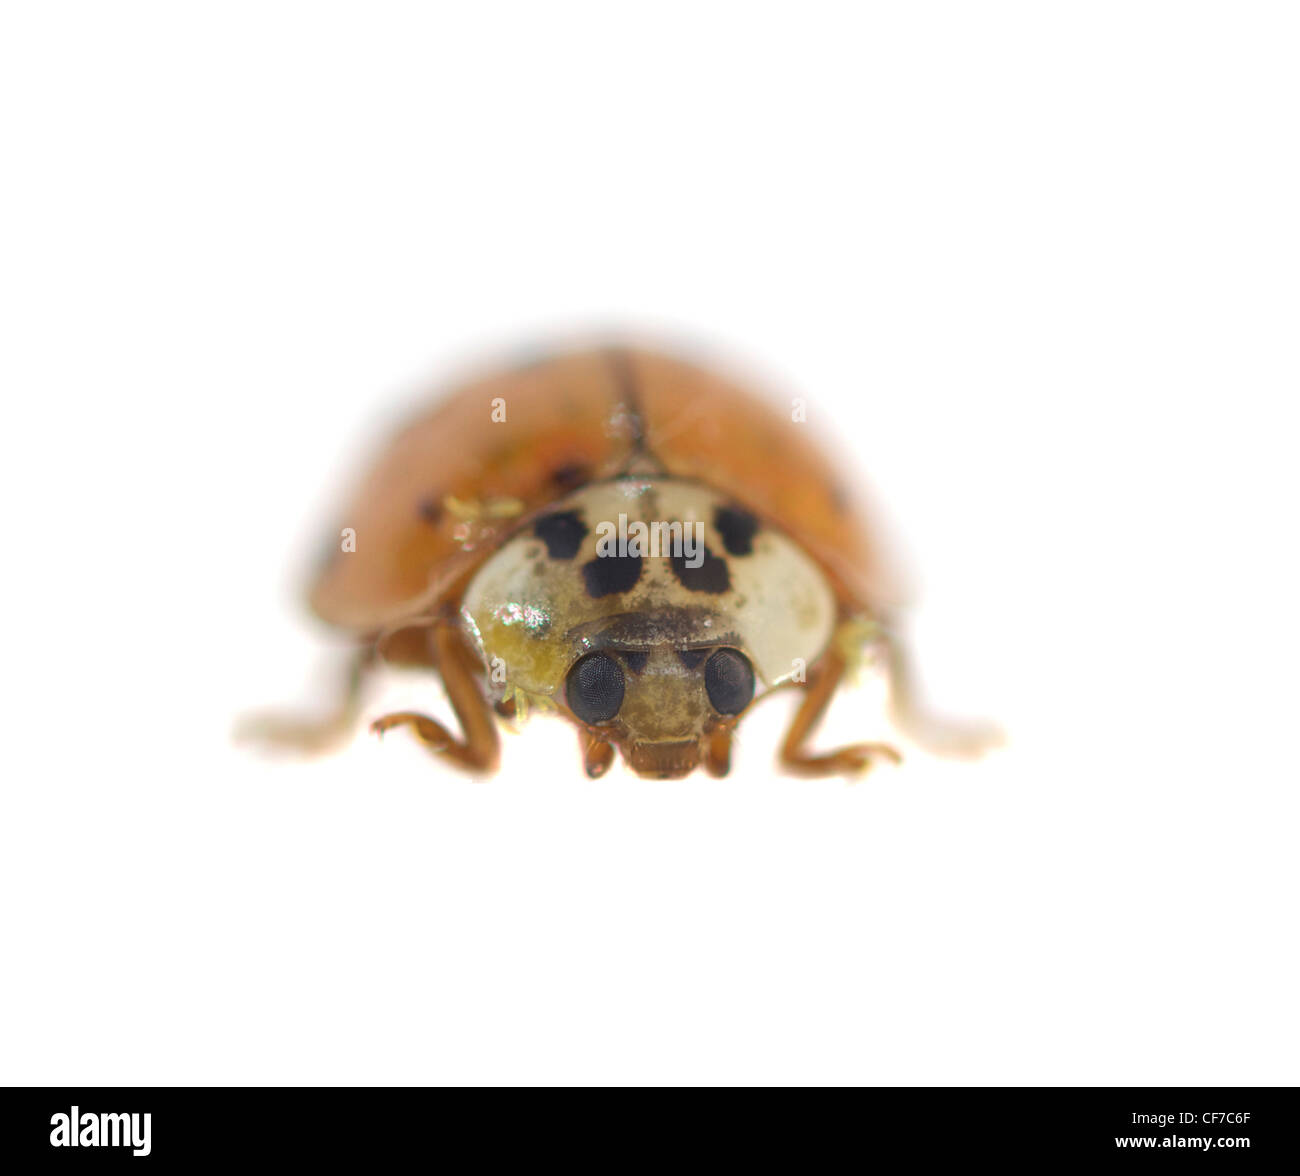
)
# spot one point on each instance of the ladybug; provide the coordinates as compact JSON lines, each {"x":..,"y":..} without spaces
{"x":623,"y":536}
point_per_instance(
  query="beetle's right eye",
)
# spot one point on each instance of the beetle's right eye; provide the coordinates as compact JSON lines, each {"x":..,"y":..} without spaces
{"x":594,"y":689}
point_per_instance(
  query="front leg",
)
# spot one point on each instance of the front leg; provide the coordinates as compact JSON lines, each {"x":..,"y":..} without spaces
{"x":309,"y":736}
{"x":480,"y":749}
{"x":939,"y":736}
{"x":851,"y":760}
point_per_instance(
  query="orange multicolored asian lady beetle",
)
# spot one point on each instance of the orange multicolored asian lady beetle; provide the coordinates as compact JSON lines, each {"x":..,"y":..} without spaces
{"x":486,"y":551}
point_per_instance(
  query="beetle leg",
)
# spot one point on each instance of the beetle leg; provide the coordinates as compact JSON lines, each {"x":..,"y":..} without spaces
{"x":795,"y":756}
{"x":597,"y":755}
{"x":717,"y":751}
{"x":314,"y":736}
{"x":480,"y":750}
{"x":964,"y":740}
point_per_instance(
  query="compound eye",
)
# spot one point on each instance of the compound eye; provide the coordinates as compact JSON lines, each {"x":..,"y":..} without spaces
{"x":729,"y":679}
{"x":594,"y":688}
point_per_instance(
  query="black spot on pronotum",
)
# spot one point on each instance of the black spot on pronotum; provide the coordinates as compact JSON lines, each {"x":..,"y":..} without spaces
{"x":562,"y":532}
{"x":431,"y":510}
{"x":691,"y":658}
{"x":711,"y":576}
{"x":570,"y":476}
{"x":594,"y":688}
{"x":634,"y":659}
{"x":729,"y":680}
{"x":737,"y":528}
{"x":611,"y":573}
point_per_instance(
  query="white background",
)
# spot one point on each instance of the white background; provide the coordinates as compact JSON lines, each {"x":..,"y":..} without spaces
{"x":1035,"y":267}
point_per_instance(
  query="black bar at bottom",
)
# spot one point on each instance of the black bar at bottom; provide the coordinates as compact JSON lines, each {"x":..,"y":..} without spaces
{"x":366,"y":1126}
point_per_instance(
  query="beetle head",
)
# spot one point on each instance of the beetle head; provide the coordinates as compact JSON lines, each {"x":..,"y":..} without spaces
{"x":659,"y":704}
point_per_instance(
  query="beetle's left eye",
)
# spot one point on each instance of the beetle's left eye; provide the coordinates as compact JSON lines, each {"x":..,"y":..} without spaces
{"x":594,"y":688}
{"x":729,"y":679}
